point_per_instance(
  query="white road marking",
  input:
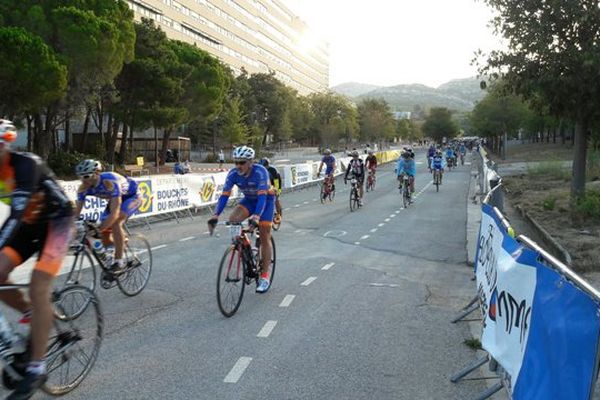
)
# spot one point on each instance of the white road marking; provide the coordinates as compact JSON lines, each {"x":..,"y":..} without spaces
{"x":187,"y":238}
{"x":384,"y":284}
{"x":238,"y":370}
{"x":373,"y":230}
{"x":364,"y":237}
{"x":267,"y":329}
{"x":287,"y":209}
{"x":309,"y":281}
{"x":357,"y":243}
{"x":380,"y":225}
{"x":393,"y":216}
{"x":335,"y":233}
{"x":296,"y":205}
{"x":387,"y":220}
{"x":287,"y":300}
{"x":327,"y":266}
{"x":398,"y":212}
{"x":315,"y":199}
{"x":160,"y":246}
{"x":306,"y":202}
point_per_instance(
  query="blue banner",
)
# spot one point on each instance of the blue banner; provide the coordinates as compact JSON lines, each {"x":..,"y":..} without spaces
{"x":542,"y":329}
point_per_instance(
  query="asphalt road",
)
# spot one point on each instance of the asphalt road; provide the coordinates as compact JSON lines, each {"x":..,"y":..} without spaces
{"x":373,"y":292}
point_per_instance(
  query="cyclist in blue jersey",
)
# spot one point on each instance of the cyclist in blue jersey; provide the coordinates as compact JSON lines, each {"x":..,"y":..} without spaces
{"x":123,"y":201}
{"x":258,"y":204}
{"x":430,"y":155}
{"x":437,"y":163}
{"x":406,"y":165}
{"x":329,"y":161}
{"x":450,"y":156}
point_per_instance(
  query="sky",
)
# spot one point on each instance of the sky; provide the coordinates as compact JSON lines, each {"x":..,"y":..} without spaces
{"x":391,"y":42}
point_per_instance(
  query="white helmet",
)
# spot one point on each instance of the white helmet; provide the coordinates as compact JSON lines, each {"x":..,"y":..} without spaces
{"x":8,"y":132}
{"x":88,"y":167}
{"x":243,"y":153}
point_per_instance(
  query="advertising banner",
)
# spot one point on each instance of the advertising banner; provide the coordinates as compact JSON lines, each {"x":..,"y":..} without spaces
{"x":540,"y":328}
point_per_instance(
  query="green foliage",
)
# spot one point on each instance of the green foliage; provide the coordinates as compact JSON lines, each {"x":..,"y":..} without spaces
{"x":550,"y":169}
{"x":549,"y":203}
{"x":31,"y":75}
{"x":63,"y":163}
{"x":473,"y":343}
{"x":593,"y":165}
{"x":376,"y":120}
{"x":334,"y":118}
{"x":439,"y":124}
{"x":589,"y":205}
{"x":234,"y":129}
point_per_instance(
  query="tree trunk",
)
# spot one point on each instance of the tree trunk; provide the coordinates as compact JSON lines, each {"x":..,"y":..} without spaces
{"x":165,"y":146}
{"x":554,"y":135}
{"x":123,"y":147}
{"x":84,"y":133}
{"x":562,"y":131}
{"x":30,"y":133}
{"x":579,"y":160}
{"x":67,"y":133}
{"x":573,"y":130}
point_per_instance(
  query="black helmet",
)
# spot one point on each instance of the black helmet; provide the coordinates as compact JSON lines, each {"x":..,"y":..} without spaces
{"x":264,"y":162}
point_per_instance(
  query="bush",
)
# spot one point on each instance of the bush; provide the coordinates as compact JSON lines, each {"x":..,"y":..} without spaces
{"x":549,"y":203}
{"x":589,"y":205}
{"x":63,"y":163}
{"x":550,"y":169}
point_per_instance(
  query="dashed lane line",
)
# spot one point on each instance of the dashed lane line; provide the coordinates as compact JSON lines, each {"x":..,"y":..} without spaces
{"x":364,"y":237}
{"x":327,"y":266}
{"x":238,"y":370}
{"x":380,"y":225}
{"x":287,"y":300}
{"x":387,"y":220}
{"x":373,"y":230}
{"x":357,"y":243}
{"x":309,"y":281}
{"x":160,"y":246}
{"x":267,"y":329}
{"x":187,"y":238}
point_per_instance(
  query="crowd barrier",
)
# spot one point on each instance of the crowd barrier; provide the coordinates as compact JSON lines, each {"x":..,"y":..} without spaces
{"x":540,"y":320}
{"x":167,"y":194}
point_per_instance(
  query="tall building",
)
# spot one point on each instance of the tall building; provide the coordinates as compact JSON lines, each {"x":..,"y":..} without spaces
{"x":258,"y":35}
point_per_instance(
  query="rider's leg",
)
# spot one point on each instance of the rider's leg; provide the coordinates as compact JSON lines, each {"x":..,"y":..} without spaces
{"x":278,"y":206}
{"x":266,"y":251}
{"x":412,"y":184}
{"x":239,"y":213}
{"x":15,"y":299}
{"x":119,"y":237}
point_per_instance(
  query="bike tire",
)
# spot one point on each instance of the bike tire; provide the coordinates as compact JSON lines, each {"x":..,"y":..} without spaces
{"x":228,"y":305}
{"x":82,"y":272}
{"x":69,"y":335}
{"x":322,"y":196}
{"x":405,"y":201}
{"x":353,"y":201}
{"x":138,"y":266}
{"x":273,"y":260}
{"x":331,"y":195}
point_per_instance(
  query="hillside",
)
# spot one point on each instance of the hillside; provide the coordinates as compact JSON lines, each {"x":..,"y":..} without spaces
{"x":353,"y":89}
{"x":458,"y":94}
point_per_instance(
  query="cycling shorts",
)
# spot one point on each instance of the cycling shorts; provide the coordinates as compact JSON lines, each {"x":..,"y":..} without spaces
{"x":51,"y":239}
{"x":129,"y":205}
{"x":267,"y":215}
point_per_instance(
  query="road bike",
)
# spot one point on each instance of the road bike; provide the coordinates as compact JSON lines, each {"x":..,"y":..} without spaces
{"x":354,"y":195}
{"x":450,"y":162}
{"x":240,"y":266}
{"x":327,"y":189}
{"x":131,"y":279}
{"x":437,"y":179}
{"x":73,"y":344}
{"x":462,"y":159}
{"x":405,"y":190}
{"x":371,"y":180}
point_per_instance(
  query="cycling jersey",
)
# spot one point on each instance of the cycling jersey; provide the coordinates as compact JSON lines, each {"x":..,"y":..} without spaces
{"x":406,"y":166}
{"x":449,"y":153}
{"x":274,"y":177}
{"x":110,"y":185}
{"x":258,"y":193}
{"x":329,"y":162}
{"x":371,"y":162}
{"x":40,"y":212}
{"x":431,"y":152}
{"x":463,"y":150}
{"x":356,"y":167}
{"x":438,"y":162}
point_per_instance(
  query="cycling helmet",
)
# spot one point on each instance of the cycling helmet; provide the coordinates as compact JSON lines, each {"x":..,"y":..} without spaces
{"x":371,"y":152}
{"x":354,"y":153}
{"x":88,"y":167}
{"x":243,"y":153}
{"x":8,"y":132}
{"x":438,"y":152}
{"x":264,"y":162}
{"x":327,"y":152}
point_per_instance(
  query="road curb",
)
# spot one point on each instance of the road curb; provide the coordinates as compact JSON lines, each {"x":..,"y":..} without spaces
{"x":546,"y":237}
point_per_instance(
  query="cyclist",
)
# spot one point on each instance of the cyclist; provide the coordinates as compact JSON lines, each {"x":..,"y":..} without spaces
{"x":41,"y":221}
{"x":450,"y":156}
{"x":258,"y":204}
{"x":123,"y":201}
{"x":371,"y":163}
{"x":462,"y":150}
{"x":437,"y":163}
{"x":406,"y":165}
{"x":276,"y":183}
{"x":329,"y":161}
{"x":356,"y":167}
{"x":430,"y":155}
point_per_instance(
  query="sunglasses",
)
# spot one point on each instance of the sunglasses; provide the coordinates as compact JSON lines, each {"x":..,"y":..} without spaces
{"x":86,"y":177}
{"x":241,"y":162}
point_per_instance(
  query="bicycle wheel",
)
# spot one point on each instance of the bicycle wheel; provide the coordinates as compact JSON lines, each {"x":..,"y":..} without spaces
{"x":273,"y":259}
{"x":138,"y":266}
{"x":230,"y":281}
{"x":353,"y":199}
{"x":82,"y":271}
{"x":405,"y":201}
{"x":373,"y":182}
{"x":331,"y":195}
{"x":75,"y":340}
{"x":323,"y":194}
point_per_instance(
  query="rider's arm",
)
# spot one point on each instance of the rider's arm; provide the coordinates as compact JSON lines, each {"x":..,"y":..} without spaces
{"x":27,"y":174}
{"x":263,"y":188}
{"x":115,"y":208}
{"x":399,"y":167}
{"x":226,"y":193}
{"x":320,"y":167}
{"x":348,"y":168}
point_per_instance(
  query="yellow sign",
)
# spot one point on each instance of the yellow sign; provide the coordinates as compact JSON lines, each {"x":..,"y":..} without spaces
{"x":140,"y":161}
{"x":145,"y":189}
{"x":208,"y":188}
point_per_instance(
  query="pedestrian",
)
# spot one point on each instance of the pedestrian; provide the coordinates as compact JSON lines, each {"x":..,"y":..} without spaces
{"x":221,"y":158}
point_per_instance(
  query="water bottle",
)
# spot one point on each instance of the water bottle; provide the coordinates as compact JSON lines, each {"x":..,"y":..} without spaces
{"x":6,"y":337}
{"x":99,"y":248}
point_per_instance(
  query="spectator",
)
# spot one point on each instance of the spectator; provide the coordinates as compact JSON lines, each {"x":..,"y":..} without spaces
{"x":178,"y":168}
{"x":221,"y":158}
{"x":186,"y":167}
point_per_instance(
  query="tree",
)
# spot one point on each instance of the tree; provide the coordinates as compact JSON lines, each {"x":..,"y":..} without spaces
{"x":376,"y":120}
{"x":439,"y":124}
{"x":234,"y":129}
{"x":334,"y":118}
{"x":553,"y":53}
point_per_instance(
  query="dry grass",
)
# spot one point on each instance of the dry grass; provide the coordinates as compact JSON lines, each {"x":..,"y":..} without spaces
{"x":537,"y":152}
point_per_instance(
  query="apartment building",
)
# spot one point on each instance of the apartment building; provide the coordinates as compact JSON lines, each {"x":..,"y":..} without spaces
{"x":258,"y":35}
